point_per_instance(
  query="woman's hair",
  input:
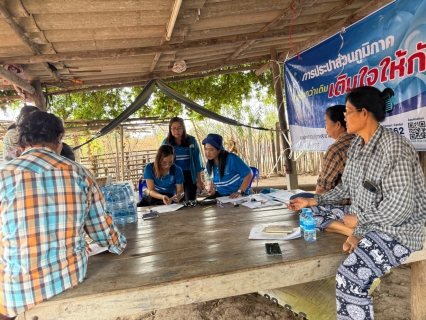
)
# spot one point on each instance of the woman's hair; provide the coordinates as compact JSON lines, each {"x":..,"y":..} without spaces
{"x":373,"y":100}
{"x":222,"y":156}
{"x":336,"y":114}
{"x":39,"y":127}
{"x":162,"y":152}
{"x":185,"y":138}
{"x":25,"y":110}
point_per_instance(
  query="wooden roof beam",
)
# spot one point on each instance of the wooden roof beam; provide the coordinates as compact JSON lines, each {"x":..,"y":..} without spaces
{"x":161,"y":75}
{"x":12,"y":78}
{"x":21,"y":35}
{"x":299,"y":29}
{"x":10,"y":98}
{"x":143,"y":83}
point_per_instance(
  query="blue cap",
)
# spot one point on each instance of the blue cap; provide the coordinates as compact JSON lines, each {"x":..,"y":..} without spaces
{"x":215,"y":140}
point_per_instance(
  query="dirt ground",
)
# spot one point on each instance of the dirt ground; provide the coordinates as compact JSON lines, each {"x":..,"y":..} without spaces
{"x":391,"y":297}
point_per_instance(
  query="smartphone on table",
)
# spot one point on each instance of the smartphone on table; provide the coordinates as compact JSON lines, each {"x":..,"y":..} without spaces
{"x":150,"y":215}
{"x":273,"y":249}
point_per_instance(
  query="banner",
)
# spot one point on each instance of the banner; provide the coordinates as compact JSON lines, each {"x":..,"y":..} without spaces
{"x":385,"y":49}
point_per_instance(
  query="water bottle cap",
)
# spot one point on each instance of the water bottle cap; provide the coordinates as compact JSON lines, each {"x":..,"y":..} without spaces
{"x":304,"y":209}
{"x":308,"y":211}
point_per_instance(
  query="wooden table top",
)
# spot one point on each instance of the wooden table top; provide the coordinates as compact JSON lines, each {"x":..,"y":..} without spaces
{"x":191,"y":255}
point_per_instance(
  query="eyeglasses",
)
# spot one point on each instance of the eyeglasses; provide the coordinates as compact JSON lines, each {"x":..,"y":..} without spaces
{"x":166,"y":163}
{"x":176,"y":129}
{"x":346,"y":113}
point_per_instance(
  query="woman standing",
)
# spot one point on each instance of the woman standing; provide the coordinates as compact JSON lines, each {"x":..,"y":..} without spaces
{"x":386,"y":186}
{"x":188,"y":157}
{"x":163,"y":178}
{"x":230,"y":175}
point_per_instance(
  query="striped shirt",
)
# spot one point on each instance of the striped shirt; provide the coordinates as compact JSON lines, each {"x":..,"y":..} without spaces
{"x":397,"y":205}
{"x":43,"y":202}
{"x":235,"y":172}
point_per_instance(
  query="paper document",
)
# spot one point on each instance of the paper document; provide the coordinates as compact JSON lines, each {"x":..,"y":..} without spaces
{"x":96,"y":249}
{"x":281,"y":195}
{"x":226,"y":199}
{"x":257,"y":234}
{"x":169,"y":208}
{"x":263,"y":204}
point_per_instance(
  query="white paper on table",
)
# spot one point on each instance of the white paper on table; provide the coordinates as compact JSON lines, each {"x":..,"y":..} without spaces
{"x":299,"y":191}
{"x":96,"y":249}
{"x":226,"y":199}
{"x":257,"y":234}
{"x":258,"y":204}
{"x":281,"y":195}
{"x":169,"y":208}
{"x":261,"y":197}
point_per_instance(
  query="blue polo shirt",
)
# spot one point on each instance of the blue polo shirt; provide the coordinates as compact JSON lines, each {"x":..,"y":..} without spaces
{"x":166,"y":184}
{"x":235,"y":172}
{"x":182,"y":157}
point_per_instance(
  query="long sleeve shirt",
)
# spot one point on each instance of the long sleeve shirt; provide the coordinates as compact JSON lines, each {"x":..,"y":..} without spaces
{"x":47,"y":204}
{"x":396,"y":205}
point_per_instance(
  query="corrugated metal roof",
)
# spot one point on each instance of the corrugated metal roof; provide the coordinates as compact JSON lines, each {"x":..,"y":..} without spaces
{"x":80,"y":28}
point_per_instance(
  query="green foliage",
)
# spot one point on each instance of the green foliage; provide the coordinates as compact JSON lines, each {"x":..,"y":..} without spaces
{"x":223,"y":94}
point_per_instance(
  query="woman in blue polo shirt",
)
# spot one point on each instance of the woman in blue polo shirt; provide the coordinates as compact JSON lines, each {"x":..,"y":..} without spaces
{"x":163,"y":178}
{"x":188,"y":157}
{"x":230,"y":175}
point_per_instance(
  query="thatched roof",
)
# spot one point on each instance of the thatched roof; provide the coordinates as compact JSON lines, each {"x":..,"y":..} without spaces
{"x":117,"y":43}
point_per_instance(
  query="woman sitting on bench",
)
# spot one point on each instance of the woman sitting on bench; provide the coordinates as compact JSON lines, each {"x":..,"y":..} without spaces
{"x":163,"y":178}
{"x":230,"y":175}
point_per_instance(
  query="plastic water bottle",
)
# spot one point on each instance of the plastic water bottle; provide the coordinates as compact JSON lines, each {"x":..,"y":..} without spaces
{"x":310,"y":227}
{"x":302,"y":222}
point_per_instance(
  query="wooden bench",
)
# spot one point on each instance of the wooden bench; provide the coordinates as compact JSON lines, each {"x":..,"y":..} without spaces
{"x":198,"y":254}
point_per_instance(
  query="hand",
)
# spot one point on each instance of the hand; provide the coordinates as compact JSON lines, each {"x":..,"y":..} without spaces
{"x":300,"y":203}
{"x":350,"y":220}
{"x":351,"y":243}
{"x":87,"y":247}
{"x":201,"y":186}
{"x":212,"y":190}
{"x":167,"y":201}
{"x":179,"y":196}
{"x":234,"y":195}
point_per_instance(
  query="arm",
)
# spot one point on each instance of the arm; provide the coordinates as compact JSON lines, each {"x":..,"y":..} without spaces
{"x":155,"y":194}
{"x":99,"y":226}
{"x":244,"y":185}
{"x":319,"y":190}
{"x":398,"y":197}
{"x":198,"y":163}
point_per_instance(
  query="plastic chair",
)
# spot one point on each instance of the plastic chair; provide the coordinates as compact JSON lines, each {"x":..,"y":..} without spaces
{"x":255,"y":175}
{"x":142,"y":184}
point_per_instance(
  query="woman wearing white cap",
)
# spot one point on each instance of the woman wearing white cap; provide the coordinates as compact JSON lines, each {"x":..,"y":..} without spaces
{"x":230,"y":174}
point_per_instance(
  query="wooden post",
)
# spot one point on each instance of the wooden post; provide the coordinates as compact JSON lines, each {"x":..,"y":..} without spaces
{"x":291,"y":173}
{"x":203,"y":156}
{"x":278,"y":167}
{"x":250,"y":147}
{"x":274,"y":154}
{"x":418,"y":285}
{"x":117,"y":162}
{"x":122,"y":152}
{"x":38,"y":97}
{"x":76,"y":152}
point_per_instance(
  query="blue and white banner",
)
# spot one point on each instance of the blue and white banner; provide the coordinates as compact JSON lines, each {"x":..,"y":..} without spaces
{"x":386,"y":49}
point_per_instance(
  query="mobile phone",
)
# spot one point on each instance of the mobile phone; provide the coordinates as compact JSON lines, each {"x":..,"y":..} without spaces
{"x":370,"y":186}
{"x":273,"y":249}
{"x":151,"y":215}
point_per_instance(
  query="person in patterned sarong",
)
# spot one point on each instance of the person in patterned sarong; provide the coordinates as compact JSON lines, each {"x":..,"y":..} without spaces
{"x":385,"y":183}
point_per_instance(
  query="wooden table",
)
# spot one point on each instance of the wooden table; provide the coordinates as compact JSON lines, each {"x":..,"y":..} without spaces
{"x":192,"y":255}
